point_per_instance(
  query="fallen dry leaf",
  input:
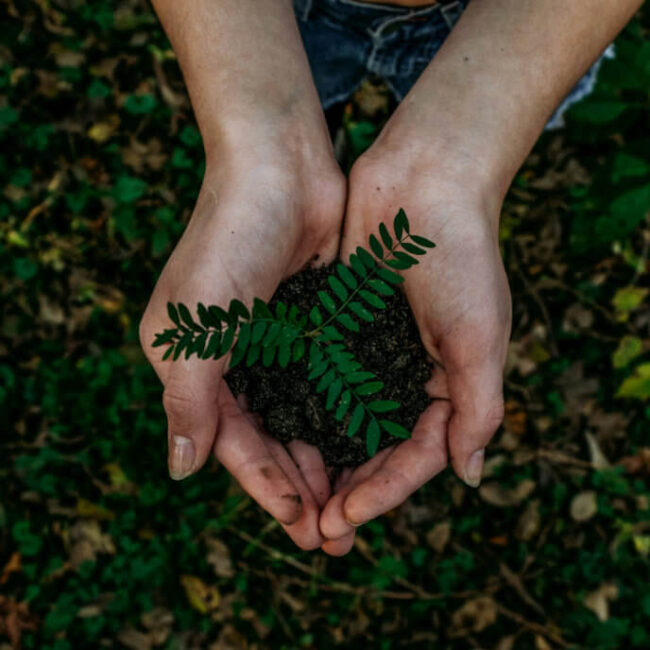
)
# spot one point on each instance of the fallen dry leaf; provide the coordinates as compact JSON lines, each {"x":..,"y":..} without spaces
{"x":584,"y":506}
{"x":202,"y":597}
{"x":496,"y":495}
{"x":474,"y":616}
{"x":439,"y":535}
{"x":598,"y":601}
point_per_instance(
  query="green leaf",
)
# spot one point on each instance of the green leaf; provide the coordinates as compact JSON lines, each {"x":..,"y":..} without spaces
{"x":218,"y":314}
{"x":638,"y":385}
{"x":227,"y":339}
{"x":319,"y":368}
{"x":325,"y":381}
{"x":422,"y":241}
{"x":183,"y":342}
{"x":284,"y":354}
{"x":244,"y":336}
{"x":173,"y":313}
{"x":165,"y":337}
{"x":372,"y":299}
{"x":356,"y":420}
{"x":358,"y":266}
{"x":315,"y":354}
{"x":412,"y":248}
{"x":259,"y":329}
{"x":379,"y":286}
{"x":333,"y":392}
{"x":327,"y":301}
{"x":330,"y":333}
{"x":237,"y":309}
{"x":400,"y":265}
{"x":268,"y":354}
{"x":347,"y":367}
{"x":261,"y":310}
{"x":390,"y":276}
{"x":344,"y":404}
{"x":237,"y":356}
{"x":358,"y":377}
{"x":386,"y":238}
{"x":338,"y":288}
{"x":348,"y":322}
{"x":315,"y":316}
{"x":395,"y":429}
{"x":400,"y":224}
{"x":213,"y":344}
{"x":186,"y":317}
{"x":383,"y":406}
{"x":373,"y":436}
{"x":367,"y":259}
{"x":406,"y":258}
{"x":198,"y":344}
{"x":168,"y":353}
{"x":280,"y":310}
{"x":253,"y":354}
{"x":598,"y":111}
{"x":347,"y":276}
{"x":298,"y":351}
{"x":376,"y":247}
{"x":358,"y":309}
{"x":204,"y":316}
{"x":629,"y":347}
{"x":369,"y":388}
{"x":271,"y":334}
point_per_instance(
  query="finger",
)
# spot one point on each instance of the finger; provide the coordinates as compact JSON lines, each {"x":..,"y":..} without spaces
{"x":304,"y":531}
{"x":190,"y":403}
{"x":333,"y":524}
{"x":312,"y":468}
{"x":339,"y":547}
{"x":414,"y":462}
{"x":476,"y":393}
{"x":241,"y":450}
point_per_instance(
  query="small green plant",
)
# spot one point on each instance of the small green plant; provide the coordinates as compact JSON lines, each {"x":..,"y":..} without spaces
{"x":285,"y":336}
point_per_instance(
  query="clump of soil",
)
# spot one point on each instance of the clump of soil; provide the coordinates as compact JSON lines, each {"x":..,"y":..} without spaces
{"x":287,"y":403}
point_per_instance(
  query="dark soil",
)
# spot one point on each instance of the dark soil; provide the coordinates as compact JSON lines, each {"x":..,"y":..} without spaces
{"x":390,"y":347}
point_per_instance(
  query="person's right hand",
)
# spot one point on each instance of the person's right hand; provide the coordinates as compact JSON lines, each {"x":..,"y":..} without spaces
{"x":253,"y":225}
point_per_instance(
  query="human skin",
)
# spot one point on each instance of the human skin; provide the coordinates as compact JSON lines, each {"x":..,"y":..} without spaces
{"x":447,"y":156}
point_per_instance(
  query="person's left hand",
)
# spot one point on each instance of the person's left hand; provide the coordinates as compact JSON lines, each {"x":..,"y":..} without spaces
{"x":461,"y":302}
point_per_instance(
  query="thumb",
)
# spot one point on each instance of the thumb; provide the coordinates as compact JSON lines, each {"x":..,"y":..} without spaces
{"x":190,"y":403}
{"x":476,"y":393}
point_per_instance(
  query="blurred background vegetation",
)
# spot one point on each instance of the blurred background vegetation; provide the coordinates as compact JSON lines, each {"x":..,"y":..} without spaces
{"x":100,"y":163}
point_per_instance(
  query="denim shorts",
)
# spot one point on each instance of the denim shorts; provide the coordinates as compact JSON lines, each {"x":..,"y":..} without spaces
{"x":348,"y":40}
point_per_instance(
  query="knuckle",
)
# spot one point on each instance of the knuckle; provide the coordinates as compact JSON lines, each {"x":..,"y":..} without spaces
{"x":180,"y":406}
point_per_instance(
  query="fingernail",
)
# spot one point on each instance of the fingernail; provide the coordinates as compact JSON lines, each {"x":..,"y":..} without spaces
{"x":181,"y":457}
{"x":355,"y":525}
{"x":474,"y":468}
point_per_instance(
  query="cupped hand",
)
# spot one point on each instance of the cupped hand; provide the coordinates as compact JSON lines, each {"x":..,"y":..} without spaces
{"x":460,"y":299}
{"x":252,"y":227}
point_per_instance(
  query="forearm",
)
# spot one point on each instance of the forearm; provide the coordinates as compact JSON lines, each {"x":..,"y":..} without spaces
{"x":246,"y":72}
{"x":485,"y":98}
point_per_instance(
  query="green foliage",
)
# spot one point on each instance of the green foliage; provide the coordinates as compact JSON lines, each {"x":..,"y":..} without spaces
{"x":284,"y":336}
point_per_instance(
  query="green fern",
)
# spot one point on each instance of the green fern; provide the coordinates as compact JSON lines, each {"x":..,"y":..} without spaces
{"x":286,"y":336}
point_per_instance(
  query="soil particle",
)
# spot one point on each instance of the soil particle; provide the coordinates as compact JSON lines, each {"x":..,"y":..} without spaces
{"x":290,"y":409}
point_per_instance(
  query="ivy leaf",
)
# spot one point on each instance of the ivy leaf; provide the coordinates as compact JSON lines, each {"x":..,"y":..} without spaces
{"x":173,"y":314}
{"x":395,"y":429}
{"x":356,"y":420}
{"x":386,"y":238}
{"x":373,"y":435}
{"x":338,"y":288}
{"x":347,"y":276}
{"x":372,"y":299}
{"x":383,"y":406}
{"x":237,"y":309}
{"x":327,"y":301}
{"x":376,"y":247}
{"x":348,"y":322}
{"x":400,"y":224}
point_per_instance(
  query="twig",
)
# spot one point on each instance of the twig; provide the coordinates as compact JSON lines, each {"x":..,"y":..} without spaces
{"x":533,"y":627}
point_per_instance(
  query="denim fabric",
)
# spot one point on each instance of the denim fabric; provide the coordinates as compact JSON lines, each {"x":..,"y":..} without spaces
{"x":347,"y":40}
